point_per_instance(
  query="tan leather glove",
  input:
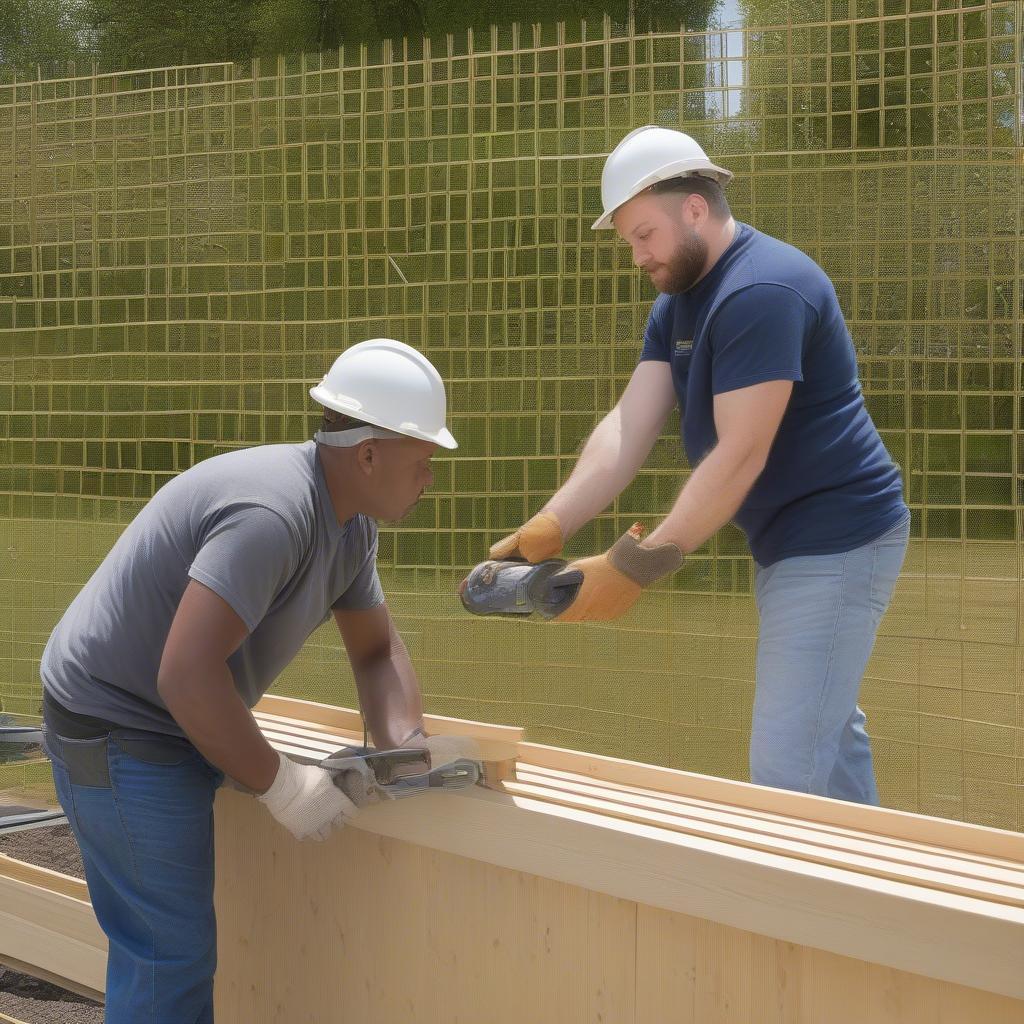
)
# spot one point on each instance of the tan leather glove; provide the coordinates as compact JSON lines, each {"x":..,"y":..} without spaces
{"x":537,"y":539}
{"x":613,"y":581}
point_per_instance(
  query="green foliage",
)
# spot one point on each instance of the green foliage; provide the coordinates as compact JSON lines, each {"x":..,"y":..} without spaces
{"x":165,"y":33}
{"x":141,"y":33}
{"x":39,"y":32}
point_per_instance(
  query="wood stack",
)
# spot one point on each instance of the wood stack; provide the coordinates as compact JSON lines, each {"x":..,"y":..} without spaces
{"x":590,"y":888}
{"x":580,"y":888}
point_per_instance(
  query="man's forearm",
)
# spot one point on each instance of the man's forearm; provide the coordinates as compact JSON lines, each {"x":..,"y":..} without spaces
{"x":710,"y":498}
{"x":390,"y":696}
{"x":208,"y":708}
{"x":604,"y":469}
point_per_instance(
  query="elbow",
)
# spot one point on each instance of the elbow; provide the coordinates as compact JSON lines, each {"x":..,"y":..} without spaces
{"x":747,"y":460}
{"x":170,"y":685}
{"x":756,"y":462}
{"x":179,"y":682}
{"x":371,"y":662}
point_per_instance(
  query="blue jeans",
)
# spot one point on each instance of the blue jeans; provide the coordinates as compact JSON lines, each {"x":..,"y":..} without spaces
{"x":141,"y":808}
{"x":819,"y":617}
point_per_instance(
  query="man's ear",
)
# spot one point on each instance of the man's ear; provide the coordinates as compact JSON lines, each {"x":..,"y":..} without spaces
{"x":367,"y":457}
{"x":696,"y":211}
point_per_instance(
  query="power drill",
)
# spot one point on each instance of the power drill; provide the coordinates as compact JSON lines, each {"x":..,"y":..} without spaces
{"x":520,"y":588}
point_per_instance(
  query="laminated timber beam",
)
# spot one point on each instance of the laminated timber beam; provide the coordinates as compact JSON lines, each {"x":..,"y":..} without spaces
{"x":48,"y":929}
{"x":580,"y":888}
{"x":929,"y":911}
{"x":309,"y":731}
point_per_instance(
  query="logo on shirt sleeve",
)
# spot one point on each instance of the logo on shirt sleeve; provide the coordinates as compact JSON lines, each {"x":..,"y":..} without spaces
{"x":684,"y":346}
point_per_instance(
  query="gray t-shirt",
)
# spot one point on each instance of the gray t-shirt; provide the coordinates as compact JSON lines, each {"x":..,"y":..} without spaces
{"x":255,"y":526}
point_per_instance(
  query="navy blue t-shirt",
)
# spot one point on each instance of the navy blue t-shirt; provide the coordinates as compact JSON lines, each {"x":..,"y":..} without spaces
{"x":766,"y":311}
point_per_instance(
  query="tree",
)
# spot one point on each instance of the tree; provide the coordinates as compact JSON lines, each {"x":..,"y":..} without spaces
{"x":39,"y":32}
{"x":158,"y":33}
{"x":164,"y":33}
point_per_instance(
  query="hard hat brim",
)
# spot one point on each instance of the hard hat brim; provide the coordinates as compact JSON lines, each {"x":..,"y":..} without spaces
{"x":443,"y":437}
{"x":712,"y":171}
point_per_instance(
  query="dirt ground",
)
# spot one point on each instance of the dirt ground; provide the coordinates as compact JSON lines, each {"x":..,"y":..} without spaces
{"x":28,"y":999}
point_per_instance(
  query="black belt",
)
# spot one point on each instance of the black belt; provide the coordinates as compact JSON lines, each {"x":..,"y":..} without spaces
{"x":86,"y":755}
{"x":69,"y":723}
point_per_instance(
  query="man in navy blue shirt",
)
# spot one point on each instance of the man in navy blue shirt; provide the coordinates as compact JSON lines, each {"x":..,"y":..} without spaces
{"x":747,"y":336}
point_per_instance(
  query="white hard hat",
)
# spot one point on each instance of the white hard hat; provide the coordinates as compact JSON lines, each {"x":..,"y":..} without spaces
{"x":390,"y":385}
{"x":646,"y":156}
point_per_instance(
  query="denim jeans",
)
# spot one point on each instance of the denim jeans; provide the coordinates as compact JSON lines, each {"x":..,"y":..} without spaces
{"x":141,"y":808}
{"x":819,"y":617}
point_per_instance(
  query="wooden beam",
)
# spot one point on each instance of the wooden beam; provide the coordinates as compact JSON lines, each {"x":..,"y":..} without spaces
{"x":468,"y":939}
{"x":44,"y":878}
{"x":931,"y":897}
{"x":722,"y":819}
{"x":865,"y":858}
{"x":816,"y":812}
{"x":757,"y":819}
{"x":881,"y":821}
{"x":49,"y":933}
{"x":33,"y":971}
{"x":496,"y":742}
{"x":938,"y":934}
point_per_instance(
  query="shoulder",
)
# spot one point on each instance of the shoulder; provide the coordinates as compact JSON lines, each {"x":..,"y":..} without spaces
{"x":776,"y":269}
{"x":276,"y":479}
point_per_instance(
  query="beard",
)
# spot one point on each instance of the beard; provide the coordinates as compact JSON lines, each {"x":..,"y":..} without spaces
{"x":683,"y":269}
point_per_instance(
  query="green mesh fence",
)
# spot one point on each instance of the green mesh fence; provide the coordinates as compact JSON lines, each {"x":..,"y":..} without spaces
{"x":183,"y":252}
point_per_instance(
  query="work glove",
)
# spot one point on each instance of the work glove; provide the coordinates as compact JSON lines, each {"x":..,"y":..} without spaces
{"x":538,"y":538}
{"x":444,"y":749}
{"x":613,"y":581}
{"x":304,"y":798}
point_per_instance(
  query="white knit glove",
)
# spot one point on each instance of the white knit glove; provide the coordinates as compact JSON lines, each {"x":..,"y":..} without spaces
{"x":445,"y":749}
{"x":304,"y":798}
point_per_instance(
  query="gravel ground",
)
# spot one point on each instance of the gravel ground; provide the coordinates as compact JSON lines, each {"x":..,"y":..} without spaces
{"x":28,"y":999}
{"x":51,"y":847}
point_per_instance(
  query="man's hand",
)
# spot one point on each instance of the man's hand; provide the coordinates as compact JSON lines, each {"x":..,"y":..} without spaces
{"x":304,"y":798}
{"x":612,"y":582}
{"x":537,"y":539}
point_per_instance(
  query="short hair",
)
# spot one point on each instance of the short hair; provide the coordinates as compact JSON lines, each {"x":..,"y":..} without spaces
{"x":333,"y":420}
{"x":707,"y":188}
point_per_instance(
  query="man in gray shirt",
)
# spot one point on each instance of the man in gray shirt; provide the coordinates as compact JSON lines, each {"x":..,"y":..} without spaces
{"x":204,"y":599}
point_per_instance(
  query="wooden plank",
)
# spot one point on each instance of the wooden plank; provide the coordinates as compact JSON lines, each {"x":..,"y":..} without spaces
{"x":939,"y":934}
{"x":310,"y":746}
{"x":296,"y":726}
{"x":496,"y":742}
{"x":955,"y":835}
{"x":298,"y":752}
{"x":897,"y":827}
{"x":51,"y":932}
{"x":310,"y":711}
{"x":370,"y":928}
{"x":782,"y":830}
{"x":469,"y":941}
{"x":33,"y":971}
{"x":849,"y":860}
{"x":766,"y":820}
{"x":316,"y":748}
{"x":689,"y":972}
{"x":33,"y":874}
